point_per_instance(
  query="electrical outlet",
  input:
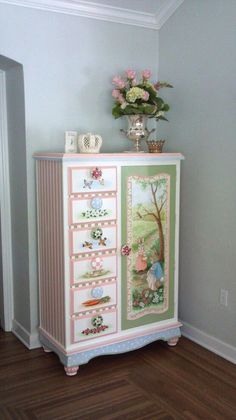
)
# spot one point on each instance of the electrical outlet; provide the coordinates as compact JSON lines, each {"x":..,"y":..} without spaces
{"x":224,"y":297}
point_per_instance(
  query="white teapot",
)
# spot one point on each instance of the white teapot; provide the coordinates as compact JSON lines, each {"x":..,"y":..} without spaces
{"x":89,"y":143}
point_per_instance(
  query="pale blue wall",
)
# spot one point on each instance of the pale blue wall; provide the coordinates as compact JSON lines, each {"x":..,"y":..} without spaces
{"x":198,"y":55}
{"x":68,"y":65}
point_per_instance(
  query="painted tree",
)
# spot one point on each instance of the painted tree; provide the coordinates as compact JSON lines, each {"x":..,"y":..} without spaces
{"x":157,"y":189}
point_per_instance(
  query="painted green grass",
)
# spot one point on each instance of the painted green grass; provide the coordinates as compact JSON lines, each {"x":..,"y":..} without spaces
{"x":143,"y":229}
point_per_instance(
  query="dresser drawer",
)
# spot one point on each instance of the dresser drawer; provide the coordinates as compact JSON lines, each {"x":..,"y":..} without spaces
{"x":93,"y":325}
{"x":93,"y":297}
{"x":96,"y":239}
{"x":95,"y":268}
{"x":92,"y":178}
{"x":92,"y":209}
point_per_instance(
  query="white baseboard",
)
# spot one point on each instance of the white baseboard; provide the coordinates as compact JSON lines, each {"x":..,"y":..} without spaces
{"x":211,"y":343}
{"x":31,"y":341}
{"x":228,"y":352}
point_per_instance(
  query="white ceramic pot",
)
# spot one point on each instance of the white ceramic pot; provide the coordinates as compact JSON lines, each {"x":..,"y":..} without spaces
{"x":89,"y":143}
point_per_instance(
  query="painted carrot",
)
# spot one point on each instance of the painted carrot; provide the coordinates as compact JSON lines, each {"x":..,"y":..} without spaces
{"x":93,"y":302}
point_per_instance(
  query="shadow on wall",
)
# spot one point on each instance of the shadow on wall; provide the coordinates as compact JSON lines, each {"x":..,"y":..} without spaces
{"x":15,"y":141}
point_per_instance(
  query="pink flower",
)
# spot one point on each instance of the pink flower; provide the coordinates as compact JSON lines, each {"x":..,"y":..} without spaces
{"x":130,"y":74}
{"x":115,"y":80}
{"x":146,"y":74}
{"x":115,"y":93}
{"x":120,"y":83}
{"x":157,"y":85}
{"x":145,"y":96}
{"x":120,"y":98}
{"x":134,"y":82}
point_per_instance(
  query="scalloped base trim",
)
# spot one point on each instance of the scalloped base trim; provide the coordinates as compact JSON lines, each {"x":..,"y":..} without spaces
{"x":170,"y":335}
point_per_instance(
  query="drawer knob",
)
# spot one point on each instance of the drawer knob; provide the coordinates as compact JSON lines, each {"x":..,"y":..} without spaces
{"x":97,"y":321}
{"x":125,"y":250}
{"x":97,"y":233}
{"x":96,"y":203}
{"x":96,"y":173}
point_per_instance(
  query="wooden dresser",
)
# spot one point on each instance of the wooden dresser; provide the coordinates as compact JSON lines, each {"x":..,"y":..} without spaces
{"x":108,"y":231}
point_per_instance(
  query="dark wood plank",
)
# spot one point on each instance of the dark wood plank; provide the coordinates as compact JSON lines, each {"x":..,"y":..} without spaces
{"x":155,"y":382}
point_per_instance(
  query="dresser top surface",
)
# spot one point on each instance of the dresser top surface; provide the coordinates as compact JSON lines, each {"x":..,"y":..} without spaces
{"x":108,"y":156}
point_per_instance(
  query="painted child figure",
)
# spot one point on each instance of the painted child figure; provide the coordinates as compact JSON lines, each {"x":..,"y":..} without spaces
{"x":155,"y":276}
{"x":141,"y":260}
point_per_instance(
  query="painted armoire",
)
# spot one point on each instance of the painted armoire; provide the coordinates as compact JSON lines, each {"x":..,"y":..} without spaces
{"x":108,"y":232}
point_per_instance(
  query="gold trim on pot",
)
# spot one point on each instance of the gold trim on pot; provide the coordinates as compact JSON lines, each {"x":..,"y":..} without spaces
{"x":155,"y":146}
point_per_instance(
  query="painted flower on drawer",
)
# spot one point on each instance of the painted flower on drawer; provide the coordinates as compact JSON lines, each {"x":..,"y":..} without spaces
{"x":97,"y":323}
{"x":89,"y":214}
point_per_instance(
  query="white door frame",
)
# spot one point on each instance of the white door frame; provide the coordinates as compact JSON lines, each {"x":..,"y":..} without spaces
{"x":5,"y":208}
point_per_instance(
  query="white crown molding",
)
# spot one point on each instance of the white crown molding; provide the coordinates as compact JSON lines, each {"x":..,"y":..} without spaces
{"x":90,"y":10}
{"x":167,"y":11}
{"x":102,"y":12}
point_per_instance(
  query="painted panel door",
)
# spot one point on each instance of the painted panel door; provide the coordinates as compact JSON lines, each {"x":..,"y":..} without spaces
{"x":148,"y":229}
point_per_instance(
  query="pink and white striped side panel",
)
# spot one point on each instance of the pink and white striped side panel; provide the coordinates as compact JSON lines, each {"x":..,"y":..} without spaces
{"x":51,"y":248}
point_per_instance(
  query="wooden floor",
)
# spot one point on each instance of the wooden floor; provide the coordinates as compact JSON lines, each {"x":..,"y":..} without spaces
{"x":155,"y":382}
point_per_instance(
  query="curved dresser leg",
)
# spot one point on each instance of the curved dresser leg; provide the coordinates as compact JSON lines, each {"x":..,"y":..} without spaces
{"x":173,"y":341}
{"x":71,"y":370}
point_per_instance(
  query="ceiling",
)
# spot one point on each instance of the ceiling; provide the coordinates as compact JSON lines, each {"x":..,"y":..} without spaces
{"x":145,"y":13}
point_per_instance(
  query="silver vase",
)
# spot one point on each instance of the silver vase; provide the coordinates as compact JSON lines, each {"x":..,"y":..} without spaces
{"x":137,"y":131}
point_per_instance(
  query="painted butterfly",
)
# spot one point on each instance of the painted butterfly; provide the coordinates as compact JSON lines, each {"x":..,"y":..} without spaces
{"x":87,"y":184}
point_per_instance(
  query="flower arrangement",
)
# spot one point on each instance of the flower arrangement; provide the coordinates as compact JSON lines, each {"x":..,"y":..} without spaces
{"x":138,"y":97}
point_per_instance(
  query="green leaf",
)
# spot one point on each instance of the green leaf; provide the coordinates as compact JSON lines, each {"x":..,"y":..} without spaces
{"x":159,"y":103}
{"x":165,"y":108}
{"x":116,"y":111}
{"x":149,"y":109}
{"x":161,"y":118}
{"x":130,"y":109}
{"x":164,"y":84}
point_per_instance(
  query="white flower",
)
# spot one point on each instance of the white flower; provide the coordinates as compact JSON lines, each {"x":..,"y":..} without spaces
{"x":155,"y":299}
{"x":134,"y":93}
{"x":160,"y":114}
{"x":124,"y":105}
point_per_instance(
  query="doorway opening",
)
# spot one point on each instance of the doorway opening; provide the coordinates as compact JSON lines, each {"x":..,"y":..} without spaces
{"x":13,"y":193}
